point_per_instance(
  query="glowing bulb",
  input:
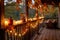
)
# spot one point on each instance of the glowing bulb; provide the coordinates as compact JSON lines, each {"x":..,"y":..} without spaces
{"x":20,"y":35}
{"x":15,"y":34}
{"x":11,"y":31}
{"x":40,"y":5}
{"x":6,"y":22}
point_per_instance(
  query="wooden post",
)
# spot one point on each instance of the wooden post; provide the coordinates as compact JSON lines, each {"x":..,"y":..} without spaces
{"x":26,"y":5}
{"x":2,"y":13}
{"x":59,"y":16}
{"x":2,"y":28}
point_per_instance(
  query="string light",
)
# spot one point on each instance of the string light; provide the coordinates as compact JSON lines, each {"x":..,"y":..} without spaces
{"x":20,"y":35}
{"x":6,"y":22}
{"x":10,"y":31}
{"x":15,"y":34}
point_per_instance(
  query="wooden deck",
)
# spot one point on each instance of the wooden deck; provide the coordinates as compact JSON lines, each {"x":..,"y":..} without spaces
{"x":49,"y":34}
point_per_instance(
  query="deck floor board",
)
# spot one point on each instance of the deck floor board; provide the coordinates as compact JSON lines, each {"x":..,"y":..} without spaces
{"x":49,"y":34}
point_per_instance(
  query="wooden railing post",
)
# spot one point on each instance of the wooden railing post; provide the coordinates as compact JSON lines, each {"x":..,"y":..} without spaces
{"x":26,"y":6}
{"x":2,"y":13}
{"x":59,"y":16}
{"x":2,"y":30}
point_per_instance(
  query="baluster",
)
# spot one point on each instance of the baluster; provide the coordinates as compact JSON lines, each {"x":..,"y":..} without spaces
{"x":17,"y":32}
{"x":21,"y":32}
{"x":9,"y":36}
{"x":5,"y":35}
{"x":15,"y":35}
{"x":12,"y":36}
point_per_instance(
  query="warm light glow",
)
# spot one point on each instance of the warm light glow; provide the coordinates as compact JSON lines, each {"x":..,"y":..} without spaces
{"x":20,"y":35}
{"x":41,"y":17}
{"x":14,"y":22}
{"x":26,"y":19}
{"x":24,"y":32}
{"x":30,"y":19}
{"x":15,"y":34}
{"x":6,"y":22}
{"x":40,"y":5}
{"x":18,"y":22}
{"x":34,"y":25}
{"x":10,"y":31}
{"x":34,"y":18}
